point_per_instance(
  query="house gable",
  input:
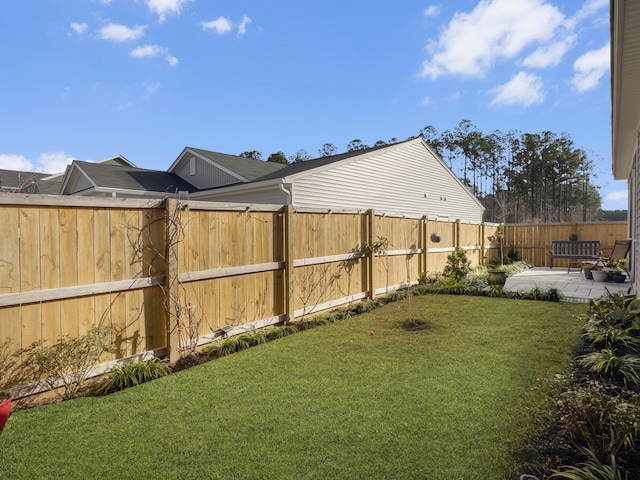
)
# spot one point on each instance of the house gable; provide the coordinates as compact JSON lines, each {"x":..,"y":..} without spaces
{"x":406,"y":178}
{"x":206,"y":169}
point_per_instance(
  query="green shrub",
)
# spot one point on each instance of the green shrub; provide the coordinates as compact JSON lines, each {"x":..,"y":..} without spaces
{"x":599,"y":417}
{"x":512,"y":256}
{"x":396,"y":296}
{"x":592,"y":469}
{"x":133,"y":374}
{"x":607,"y":362}
{"x":364,"y":306}
{"x":280,"y":331}
{"x":221,"y":347}
{"x":68,"y":363}
{"x":458,"y":265}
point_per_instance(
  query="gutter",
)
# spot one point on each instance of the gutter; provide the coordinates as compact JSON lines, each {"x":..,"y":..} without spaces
{"x":282,"y":187}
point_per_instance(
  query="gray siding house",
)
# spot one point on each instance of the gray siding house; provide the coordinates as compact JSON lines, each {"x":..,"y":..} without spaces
{"x":404,"y":178}
{"x":625,"y":107}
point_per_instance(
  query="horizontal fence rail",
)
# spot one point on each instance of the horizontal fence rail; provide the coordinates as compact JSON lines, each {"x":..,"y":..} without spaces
{"x":142,"y":267}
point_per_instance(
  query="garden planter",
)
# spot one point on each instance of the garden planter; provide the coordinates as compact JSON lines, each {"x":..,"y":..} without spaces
{"x":5,"y":411}
{"x":587,"y":274}
{"x":618,"y":278}
{"x":599,"y":275}
{"x":496,"y":277}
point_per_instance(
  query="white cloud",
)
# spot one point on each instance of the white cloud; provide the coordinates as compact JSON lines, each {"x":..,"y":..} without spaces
{"x":120,"y":33}
{"x":154,"y":51}
{"x":164,"y":7}
{"x":426,"y":101}
{"x":79,"y":27}
{"x":16,"y":162}
{"x":223,"y":25}
{"x":523,"y":89}
{"x":220,"y":25}
{"x":590,"y":8}
{"x":589,"y":69}
{"x":242,"y":28}
{"x":616,"y":196}
{"x":494,"y":30}
{"x":550,"y":55}
{"x":431,"y":11}
{"x":54,"y":162}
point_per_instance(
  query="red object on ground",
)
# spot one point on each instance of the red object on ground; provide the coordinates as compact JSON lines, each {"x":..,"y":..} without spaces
{"x":5,"y":411}
{"x":371,"y":333}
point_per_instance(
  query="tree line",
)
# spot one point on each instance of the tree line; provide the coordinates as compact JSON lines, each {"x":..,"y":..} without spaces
{"x":519,"y":177}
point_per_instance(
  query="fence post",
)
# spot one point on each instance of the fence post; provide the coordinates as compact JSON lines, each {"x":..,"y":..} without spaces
{"x":172,"y":215}
{"x":457,"y":234}
{"x":289,"y":307}
{"x":424,"y":244}
{"x":372,"y":254}
{"x":482,"y":245}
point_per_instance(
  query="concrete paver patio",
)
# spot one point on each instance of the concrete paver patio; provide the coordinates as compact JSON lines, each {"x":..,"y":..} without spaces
{"x":573,"y":285}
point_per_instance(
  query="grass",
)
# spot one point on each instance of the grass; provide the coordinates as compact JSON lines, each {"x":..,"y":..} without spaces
{"x":456,"y":400}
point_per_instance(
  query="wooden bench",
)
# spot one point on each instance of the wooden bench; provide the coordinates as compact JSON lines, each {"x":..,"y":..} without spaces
{"x":574,"y":251}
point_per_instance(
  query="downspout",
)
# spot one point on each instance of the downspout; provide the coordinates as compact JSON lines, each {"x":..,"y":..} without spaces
{"x":283,"y":186}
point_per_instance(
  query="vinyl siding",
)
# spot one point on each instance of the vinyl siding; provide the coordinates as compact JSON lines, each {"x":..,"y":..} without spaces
{"x":207,"y":175}
{"x":271,"y":195}
{"x":406,"y":180}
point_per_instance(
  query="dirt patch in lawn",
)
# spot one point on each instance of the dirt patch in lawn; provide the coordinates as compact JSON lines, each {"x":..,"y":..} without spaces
{"x":414,"y":325}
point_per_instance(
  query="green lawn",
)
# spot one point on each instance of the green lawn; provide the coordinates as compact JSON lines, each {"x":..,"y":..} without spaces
{"x":455,"y":401}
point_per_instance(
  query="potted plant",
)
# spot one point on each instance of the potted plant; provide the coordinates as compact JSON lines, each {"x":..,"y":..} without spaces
{"x":618,"y":275}
{"x":599,"y":275}
{"x":495,"y":273}
{"x":496,"y":277}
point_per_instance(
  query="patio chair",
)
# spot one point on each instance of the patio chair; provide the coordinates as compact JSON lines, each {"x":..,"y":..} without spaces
{"x":620,"y":250}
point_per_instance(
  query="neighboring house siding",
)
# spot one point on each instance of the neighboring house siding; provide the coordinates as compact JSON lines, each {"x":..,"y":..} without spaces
{"x":269,"y":196}
{"x":406,"y":180}
{"x":206,"y":175}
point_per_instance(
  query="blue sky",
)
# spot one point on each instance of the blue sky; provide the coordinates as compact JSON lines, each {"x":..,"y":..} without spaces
{"x":90,"y":79}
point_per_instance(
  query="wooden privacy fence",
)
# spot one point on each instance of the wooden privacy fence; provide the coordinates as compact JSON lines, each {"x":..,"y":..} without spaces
{"x":533,"y":242}
{"x":143,"y":267}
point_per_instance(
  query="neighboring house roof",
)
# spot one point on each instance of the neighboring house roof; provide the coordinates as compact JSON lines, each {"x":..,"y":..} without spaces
{"x":625,"y":84}
{"x":82,"y":178}
{"x":243,"y":168}
{"x":302,"y":167}
{"x":14,"y":181}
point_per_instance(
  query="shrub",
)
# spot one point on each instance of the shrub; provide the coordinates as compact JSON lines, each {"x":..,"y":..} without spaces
{"x":396,"y":296}
{"x":68,"y":363}
{"x":458,"y":265}
{"x":280,"y":331}
{"x":592,"y":469}
{"x":512,"y":256}
{"x":11,"y":374}
{"x":364,"y":306}
{"x":607,"y":362}
{"x":221,"y":348}
{"x":599,"y":417}
{"x":133,"y":374}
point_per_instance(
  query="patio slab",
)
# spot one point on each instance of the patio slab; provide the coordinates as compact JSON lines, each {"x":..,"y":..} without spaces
{"x":573,"y":286}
